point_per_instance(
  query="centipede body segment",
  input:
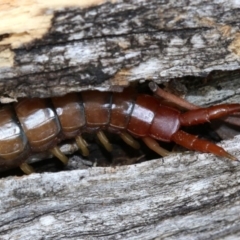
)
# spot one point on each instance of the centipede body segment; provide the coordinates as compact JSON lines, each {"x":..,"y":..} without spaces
{"x":36,"y":125}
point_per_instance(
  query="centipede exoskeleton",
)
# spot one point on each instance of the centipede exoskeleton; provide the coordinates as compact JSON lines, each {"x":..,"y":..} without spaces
{"x":37,"y":125}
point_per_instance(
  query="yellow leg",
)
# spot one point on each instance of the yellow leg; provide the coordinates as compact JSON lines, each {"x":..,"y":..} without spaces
{"x":103,"y":139}
{"x":82,"y":145}
{"x":153,"y":144}
{"x":57,"y":153}
{"x":127,"y":138}
{"x":27,"y":169}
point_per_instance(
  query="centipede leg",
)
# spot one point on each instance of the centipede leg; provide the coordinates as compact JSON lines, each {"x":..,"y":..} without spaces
{"x":202,"y":115}
{"x":194,"y":143}
{"x":234,"y":120}
{"x":26,"y":168}
{"x":82,"y":145}
{"x":153,"y":144}
{"x":127,"y":138}
{"x":57,"y":153}
{"x":171,"y":97}
{"x":103,"y":139}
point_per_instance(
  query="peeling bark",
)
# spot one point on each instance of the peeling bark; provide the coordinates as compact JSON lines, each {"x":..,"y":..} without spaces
{"x":105,"y":45}
{"x":188,"y":196}
{"x":71,"y":46}
{"x":183,"y":196}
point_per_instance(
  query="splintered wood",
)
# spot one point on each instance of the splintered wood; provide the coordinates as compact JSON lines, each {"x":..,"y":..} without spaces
{"x":50,"y":48}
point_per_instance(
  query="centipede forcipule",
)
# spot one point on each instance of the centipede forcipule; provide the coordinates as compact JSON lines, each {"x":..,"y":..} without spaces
{"x":38,"y":125}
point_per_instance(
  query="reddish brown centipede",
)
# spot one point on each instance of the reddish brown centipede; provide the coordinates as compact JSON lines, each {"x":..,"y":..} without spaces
{"x":36,"y":125}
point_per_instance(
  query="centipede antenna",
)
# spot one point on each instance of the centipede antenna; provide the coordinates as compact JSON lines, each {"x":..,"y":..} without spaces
{"x":57,"y":153}
{"x":26,"y":168}
{"x":127,"y":138}
{"x":153,"y":144}
{"x":82,"y":145}
{"x":171,"y":97}
{"x":230,"y":156}
{"x":103,"y":139}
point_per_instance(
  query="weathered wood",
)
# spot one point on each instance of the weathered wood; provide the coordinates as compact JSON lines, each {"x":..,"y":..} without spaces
{"x":184,"y":196}
{"x":52,"y":48}
{"x":219,"y":87}
{"x":188,"y":196}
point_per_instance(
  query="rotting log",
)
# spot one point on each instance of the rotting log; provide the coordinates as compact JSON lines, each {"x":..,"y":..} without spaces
{"x":49,"y":49}
{"x":188,"y":196}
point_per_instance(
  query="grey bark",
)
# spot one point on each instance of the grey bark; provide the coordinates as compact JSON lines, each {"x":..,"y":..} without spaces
{"x":188,"y":196}
{"x":111,"y":44}
{"x":184,"y":196}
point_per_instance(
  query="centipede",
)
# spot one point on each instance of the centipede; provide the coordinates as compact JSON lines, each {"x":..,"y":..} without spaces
{"x":34,"y":125}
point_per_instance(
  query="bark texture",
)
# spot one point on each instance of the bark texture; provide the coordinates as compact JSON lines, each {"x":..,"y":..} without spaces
{"x":50,"y":48}
{"x":188,"y":196}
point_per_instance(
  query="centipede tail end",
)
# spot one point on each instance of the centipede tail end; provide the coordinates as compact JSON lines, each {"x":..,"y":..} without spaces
{"x":194,"y":143}
{"x":202,"y":115}
{"x":38,"y":125}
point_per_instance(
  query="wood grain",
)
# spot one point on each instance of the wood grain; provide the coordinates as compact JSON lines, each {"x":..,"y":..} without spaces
{"x":50,"y":48}
{"x":188,"y":196}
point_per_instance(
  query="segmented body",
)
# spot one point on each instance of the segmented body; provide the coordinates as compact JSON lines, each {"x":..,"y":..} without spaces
{"x":36,"y":125}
